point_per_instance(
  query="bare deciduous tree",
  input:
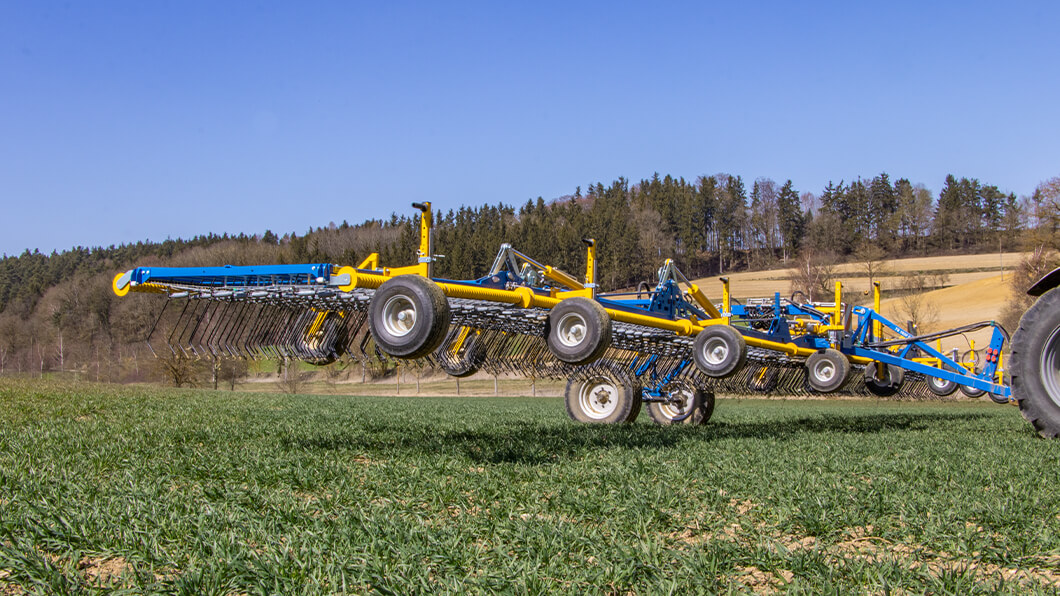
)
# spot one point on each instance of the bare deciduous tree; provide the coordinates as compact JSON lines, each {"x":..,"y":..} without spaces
{"x":813,"y":275}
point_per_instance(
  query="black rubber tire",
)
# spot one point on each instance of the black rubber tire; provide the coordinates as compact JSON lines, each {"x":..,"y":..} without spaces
{"x":696,"y":409}
{"x":1035,"y":362}
{"x":719,"y":351}
{"x":579,"y":331}
{"x":430,"y":310}
{"x":599,"y":395}
{"x":827,"y":370}
{"x":971,"y":392}
{"x":941,"y":387}
{"x":888,"y":384}
{"x":638,"y":397}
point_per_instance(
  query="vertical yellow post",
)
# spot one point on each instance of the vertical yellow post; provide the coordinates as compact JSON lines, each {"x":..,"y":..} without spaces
{"x":426,"y":222}
{"x":590,"y":264}
{"x":877,"y":327}
{"x":838,"y":320}
{"x":971,"y":365}
{"x":1000,"y":370}
{"x":726,"y":300}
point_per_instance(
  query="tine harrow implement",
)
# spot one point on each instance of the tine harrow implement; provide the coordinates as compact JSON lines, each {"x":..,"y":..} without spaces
{"x":672,"y":349}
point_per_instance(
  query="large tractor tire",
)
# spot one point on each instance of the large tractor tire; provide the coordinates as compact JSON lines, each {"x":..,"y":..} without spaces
{"x":408,"y":316}
{"x":1035,"y":364}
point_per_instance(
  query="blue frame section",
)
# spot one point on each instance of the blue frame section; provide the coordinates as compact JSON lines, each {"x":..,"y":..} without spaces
{"x":232,"y":276}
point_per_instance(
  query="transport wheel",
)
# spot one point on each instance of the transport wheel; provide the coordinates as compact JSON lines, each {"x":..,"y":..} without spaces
{"x":638,"y":397}
{"x":408,"y":316}
{"x":692,"y":405}
{"x":719,"y":351}
{"x":941,"y":387}
{"x":827,"y":370}
{"x":885,"y":385}
{"x":972,"y":392}
{"x":1035,"y":364}
{"x":600,"y":395}
{"x":579,"y":331}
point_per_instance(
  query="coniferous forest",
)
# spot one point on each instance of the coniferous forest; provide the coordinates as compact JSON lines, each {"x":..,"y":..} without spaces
{"x":57,"y":311}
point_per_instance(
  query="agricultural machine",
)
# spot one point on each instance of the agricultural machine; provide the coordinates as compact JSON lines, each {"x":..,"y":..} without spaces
{"x":667,"y":346}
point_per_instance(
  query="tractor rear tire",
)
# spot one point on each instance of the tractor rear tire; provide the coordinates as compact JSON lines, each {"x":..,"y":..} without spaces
{"x":579,"y":331}
{"x":1035,"y":364}
{"x":719,"y":351}
{"x":408,"y":316}
{"x":695,"y":408}
{"x":827,"y":370}
{"x":888,"y":384}
{"x":599,"y":395}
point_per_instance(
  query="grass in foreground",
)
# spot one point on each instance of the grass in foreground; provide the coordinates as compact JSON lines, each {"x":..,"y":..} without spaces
{"x":107,"y":488}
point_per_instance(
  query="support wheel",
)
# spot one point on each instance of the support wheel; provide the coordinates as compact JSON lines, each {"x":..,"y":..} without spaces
{"x":602,"y":396}
{"x":689,"y":405}
{"x":1035,"y":364}
{"x":719,"y":351}
{"x":972,"y":392}
{"x":827,"y":370}
{"x":408,"y":316}
{"x":941,"y":387}
{"x":579,"y":331}
{"x":887,"y":384}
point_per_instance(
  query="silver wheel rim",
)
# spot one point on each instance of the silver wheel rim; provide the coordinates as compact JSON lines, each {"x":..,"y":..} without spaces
{"x":679,"y":410}
{"x":824,"y":371}
{"x":598,"y":398}
{"x":940,"y":383}
{"x":715,"y":351}
{"x":571,"y":330}
{"x":399,"y":316}
{"x":1049,"y":372}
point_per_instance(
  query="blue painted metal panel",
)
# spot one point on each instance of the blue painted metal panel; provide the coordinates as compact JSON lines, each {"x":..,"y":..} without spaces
{"x":232,"y":276}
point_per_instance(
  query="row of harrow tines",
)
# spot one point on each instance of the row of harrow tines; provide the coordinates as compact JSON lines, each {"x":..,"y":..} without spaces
{"x":669,"y":342}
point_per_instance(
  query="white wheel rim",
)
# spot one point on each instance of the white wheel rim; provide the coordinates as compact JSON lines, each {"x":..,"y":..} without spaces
{"x":1049,"y":372}
{"x":571,"y":330}
{"x":598,"y":398}
{"x":399,"y":316}
{"x":824,"y":371}
{"x":680,"y":409}
{"x":940,"y":383}
{"x":715,"y":351}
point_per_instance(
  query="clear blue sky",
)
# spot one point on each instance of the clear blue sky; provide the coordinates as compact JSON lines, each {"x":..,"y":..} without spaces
{"x":122,"y":121}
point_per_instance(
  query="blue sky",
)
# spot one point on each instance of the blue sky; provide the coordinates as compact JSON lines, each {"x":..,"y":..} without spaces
{"x":122,"y":121}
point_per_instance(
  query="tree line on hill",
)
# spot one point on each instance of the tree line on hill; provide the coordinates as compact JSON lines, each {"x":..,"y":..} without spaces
{"x":57,"y":311}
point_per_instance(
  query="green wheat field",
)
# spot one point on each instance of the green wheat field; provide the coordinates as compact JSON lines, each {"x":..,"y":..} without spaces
{"x":115,"y":489}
